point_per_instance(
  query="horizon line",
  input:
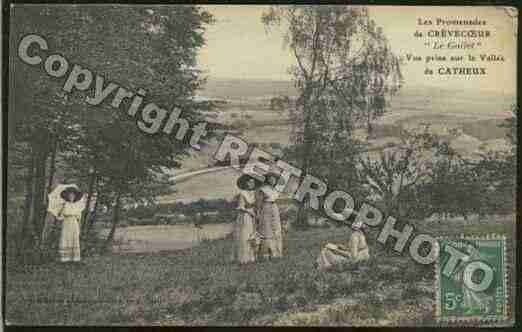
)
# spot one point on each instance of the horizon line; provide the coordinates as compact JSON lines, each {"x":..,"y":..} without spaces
{"x":465,"y":88}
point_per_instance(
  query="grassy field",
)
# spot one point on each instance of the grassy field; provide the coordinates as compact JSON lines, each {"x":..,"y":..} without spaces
{"x":202,"y":286}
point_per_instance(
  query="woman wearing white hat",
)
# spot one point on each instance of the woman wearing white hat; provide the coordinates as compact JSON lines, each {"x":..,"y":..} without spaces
{"x":67,"y":205}
{"x":338,"y":256}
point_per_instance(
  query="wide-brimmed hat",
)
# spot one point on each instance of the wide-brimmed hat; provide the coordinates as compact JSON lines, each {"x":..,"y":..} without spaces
{"x":77,"y":193}
{"x":243,"y":179}
{"x":272,"y":175}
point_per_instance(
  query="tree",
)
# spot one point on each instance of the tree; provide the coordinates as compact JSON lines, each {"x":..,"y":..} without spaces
{"x":280,"y":103}
{"x":498,"y":171}
{"x":464,"y":186}
{"x":137,"y":47}
{"x":341,"y":58}
{"x":393,"y":177}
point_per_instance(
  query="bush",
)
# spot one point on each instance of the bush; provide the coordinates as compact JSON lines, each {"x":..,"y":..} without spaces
{"x":276,"y":145}
{"x":141,"y":212}
{"x":202,"y":211}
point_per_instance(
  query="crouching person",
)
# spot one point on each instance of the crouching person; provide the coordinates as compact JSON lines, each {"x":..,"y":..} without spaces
{"x":339,"y":257}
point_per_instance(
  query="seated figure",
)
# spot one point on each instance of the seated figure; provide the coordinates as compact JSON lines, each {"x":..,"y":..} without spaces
{"x":339,"y":257}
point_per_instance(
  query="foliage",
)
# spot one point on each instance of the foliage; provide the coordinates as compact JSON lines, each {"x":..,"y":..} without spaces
{"x":392,"y":178}
{"x":344,"y":71}
{"x":279,"y":103}
{"x":202,"y":211}
{"x":133,"y":46}
{"x":426,"y":176}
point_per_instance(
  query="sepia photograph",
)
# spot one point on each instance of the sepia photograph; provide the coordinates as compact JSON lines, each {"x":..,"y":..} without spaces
{"x":260,"y":165}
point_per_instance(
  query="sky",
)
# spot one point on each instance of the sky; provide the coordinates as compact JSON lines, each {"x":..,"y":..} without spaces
{"x":238,"y":46}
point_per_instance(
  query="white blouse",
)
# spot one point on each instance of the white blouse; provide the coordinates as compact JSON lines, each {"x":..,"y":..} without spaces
{"x":70,"y":210}
{"x":247,"y":201}
{"x":269,"y":193}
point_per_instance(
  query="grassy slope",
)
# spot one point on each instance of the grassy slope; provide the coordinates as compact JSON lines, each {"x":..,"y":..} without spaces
{"x":198,"y":286}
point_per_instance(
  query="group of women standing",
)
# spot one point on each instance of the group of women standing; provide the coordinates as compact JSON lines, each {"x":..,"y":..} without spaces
{"x":258,"y":229}
{"x":259,"y":232}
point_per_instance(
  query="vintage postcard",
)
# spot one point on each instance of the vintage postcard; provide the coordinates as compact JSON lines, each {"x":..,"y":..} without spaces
{"x":252,"y":165}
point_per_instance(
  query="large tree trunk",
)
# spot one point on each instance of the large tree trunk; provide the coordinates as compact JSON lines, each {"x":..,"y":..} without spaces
{"x":115,"y":220}
{"x":27,"y":234}
{"x":302,"y":215}
{"x":39,"y":186}
{"x":85,"y":213}
{"x":47,"y":218}
{"x":368,"y":117}
{"x":302,"y":212}
{"x":91,"y":220}
{"x":52,"y":165}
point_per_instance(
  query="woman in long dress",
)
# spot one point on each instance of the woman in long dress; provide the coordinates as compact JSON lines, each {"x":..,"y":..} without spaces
{"x":70,"y":214}
{"x":336,"y":256}
{"x":246,"y":220}
{"x":270,"y":226}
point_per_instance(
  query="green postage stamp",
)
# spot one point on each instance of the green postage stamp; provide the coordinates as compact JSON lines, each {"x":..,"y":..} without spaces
{"x":471,"y":280}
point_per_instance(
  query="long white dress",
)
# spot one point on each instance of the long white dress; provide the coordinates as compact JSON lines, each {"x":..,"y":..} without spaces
{"x":270,"y":223}
{"x":357,"y":252}
{"x":245,"y":227}
{"x":69,"y":245}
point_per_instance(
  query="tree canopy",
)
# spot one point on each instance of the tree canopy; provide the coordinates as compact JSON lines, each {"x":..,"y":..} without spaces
{"x":153,"y":49}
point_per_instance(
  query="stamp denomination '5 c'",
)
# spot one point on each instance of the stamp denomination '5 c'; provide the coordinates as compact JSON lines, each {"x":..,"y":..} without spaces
{"x":471,"y":280}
